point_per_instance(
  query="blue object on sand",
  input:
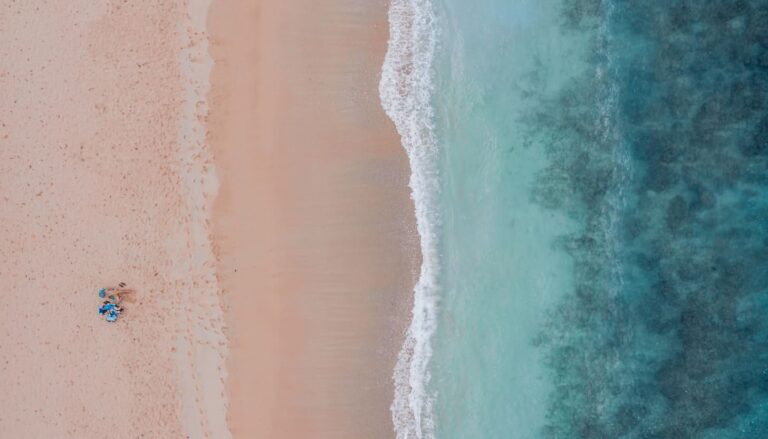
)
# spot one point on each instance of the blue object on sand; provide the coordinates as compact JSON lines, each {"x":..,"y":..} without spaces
{"x":106,"y":308}
{"x":103,"y":293}
{"x":112,"y":316}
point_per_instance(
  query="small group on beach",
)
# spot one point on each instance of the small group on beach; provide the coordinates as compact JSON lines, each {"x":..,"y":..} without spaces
{"x":111,"y":307}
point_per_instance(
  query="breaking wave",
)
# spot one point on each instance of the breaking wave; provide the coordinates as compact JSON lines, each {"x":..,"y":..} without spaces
{"x":406,"y":89}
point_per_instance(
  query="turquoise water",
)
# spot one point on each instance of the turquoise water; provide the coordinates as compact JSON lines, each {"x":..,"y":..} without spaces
{"x":501,"y":269}
{"x":591,"y":187}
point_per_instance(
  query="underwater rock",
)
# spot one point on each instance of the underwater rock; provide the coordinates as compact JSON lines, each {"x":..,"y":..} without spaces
{"x":669,"y":181}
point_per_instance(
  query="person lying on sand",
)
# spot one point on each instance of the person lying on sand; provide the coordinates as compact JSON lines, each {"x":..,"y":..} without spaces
{"x":115,"y":294}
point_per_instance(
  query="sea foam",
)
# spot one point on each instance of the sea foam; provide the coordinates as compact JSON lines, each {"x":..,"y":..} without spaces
{"x":406,"y":89}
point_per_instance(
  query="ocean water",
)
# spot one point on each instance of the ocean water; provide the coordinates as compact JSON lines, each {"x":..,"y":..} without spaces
{"x":591,"y":189}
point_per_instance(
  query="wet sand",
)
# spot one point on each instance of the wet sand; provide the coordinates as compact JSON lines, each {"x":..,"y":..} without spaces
{"x":283,"y":191}
{"x":314,"y":227}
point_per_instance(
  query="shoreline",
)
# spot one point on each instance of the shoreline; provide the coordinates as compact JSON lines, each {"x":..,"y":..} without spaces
{"x":406,"y":89}
{"x":313,"y":225}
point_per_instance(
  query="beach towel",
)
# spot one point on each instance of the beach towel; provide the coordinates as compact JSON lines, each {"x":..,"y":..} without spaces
{"x":106,"y":308}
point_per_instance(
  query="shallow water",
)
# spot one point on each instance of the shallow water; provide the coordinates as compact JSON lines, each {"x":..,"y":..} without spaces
{"x":502,"y":271}
{"x":599,"y":215}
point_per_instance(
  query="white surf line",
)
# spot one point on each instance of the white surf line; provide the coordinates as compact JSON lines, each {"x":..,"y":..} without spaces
{"x":406,"y":89}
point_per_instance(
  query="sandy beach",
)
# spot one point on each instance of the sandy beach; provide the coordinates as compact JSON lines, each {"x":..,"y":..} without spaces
{"x":313,"y":222}
{"x":372,"y":219}
{"x":104,"y":180}
{"x":233,"y":166}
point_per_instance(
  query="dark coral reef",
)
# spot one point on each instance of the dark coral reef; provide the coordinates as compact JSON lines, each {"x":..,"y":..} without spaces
{"x":660,"y":151}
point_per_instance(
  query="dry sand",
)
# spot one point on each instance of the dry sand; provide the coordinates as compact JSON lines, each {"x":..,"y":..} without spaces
{"x":314,"y":225}
{"x":104,"y":178}
{"x":107,"y":174}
